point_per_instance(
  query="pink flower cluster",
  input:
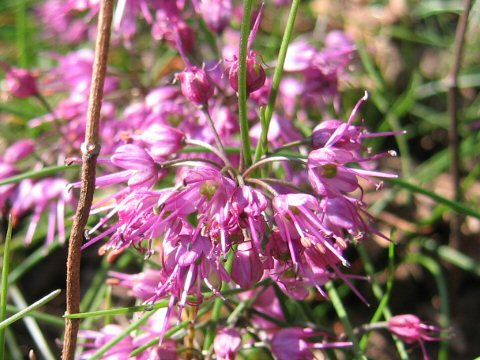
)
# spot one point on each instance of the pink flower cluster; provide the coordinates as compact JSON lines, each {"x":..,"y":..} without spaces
{"x":174,"y":185}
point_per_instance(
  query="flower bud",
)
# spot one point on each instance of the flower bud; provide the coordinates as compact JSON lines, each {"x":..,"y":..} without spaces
{"x":196,"y":85}
{"x":21,"y":83}
{"x":255,"y":74}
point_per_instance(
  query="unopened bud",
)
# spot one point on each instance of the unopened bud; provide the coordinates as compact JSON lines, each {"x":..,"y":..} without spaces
{"x":255,"y":74}
{"x":196,"y":85}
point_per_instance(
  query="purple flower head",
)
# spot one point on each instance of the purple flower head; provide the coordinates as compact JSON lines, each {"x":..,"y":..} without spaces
{"x":298,"y":220}
{"x":227,"y":343}
{"x":142,"y":171}
{"x":20,"y":83}
{"x":215,"y":13}
{"x":327,"y":166}
{"x":329,"y":174}
{"x":296,"y":344}
{"x":196,"y":85}
{"x":410,"y":329}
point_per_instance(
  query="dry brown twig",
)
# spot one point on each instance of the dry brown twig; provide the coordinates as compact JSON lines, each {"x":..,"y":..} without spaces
{"x":90,"y":150}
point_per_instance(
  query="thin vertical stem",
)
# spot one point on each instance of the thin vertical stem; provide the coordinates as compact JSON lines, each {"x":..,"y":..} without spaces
{"x":277,"y":77}
{"x":342,"y":314}
{"x":242,"y":82}
{"x":90,"y":150}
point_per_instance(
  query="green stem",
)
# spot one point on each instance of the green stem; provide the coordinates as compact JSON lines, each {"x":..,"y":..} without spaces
{"x":342,"y":314}
{"x":4,"y":290}
{"x":37,"y":173}
{"x":383,"y":298}
{"x":454,"y":205}
{"x":242,"y":82}
{"x":28,"y":309}
{"x":277,"y":77}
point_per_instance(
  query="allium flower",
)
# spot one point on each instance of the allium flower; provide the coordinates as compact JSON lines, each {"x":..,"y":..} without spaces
{"x":299,"y":223}
{"x":161,"y":140}
{"x":295,"y":344}
{"x":327,"y":166}
{"x":410,"y":329}
{"x":227,"y":343}
{"x":196,"y":85}
{"x":142,"y":171}
{"x":20,"y":83}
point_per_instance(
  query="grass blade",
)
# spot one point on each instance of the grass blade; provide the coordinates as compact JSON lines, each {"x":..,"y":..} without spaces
{"x":4,"y":289}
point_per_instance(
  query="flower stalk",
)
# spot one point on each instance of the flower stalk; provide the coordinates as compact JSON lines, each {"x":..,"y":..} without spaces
{"x":90,"y":151}
{"x":242,"y":82}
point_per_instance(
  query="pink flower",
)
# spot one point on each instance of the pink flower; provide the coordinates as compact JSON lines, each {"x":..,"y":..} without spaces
{"x":161,"y":140}
{"x":410,"y":329}
{"x":227,"y":343}
{"x":327,"y":166}
{"x":142,"y":171}
{"x":295,"y":344}
{"x":299,"y":223}
{"x":20,"y":83}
